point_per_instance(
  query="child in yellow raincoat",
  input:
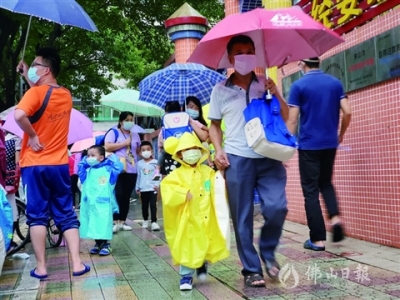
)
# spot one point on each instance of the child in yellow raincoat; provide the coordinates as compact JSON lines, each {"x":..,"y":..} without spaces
{"x":190,"y":220}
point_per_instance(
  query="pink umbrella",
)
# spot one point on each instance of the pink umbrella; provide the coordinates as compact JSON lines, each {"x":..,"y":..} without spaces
{"x":80,"y":126}
{"x":86,"y":143}
{"x":280,"y":36}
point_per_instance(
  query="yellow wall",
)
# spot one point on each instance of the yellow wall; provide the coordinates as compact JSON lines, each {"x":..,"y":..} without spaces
{"x":274,"y":4}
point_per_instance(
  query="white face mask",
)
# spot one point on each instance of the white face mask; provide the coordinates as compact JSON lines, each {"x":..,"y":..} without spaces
{"x":191,"y":156}
{"x":32,"y":76}
{"x":127,"y":125}
{"x":245,"y":63}
{"x":146,"y":154}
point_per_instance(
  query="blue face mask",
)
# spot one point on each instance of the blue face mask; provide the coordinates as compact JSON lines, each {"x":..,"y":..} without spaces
{"x":194,"y":114}
{"x":32,"y":76}
{"x":92,"y":161}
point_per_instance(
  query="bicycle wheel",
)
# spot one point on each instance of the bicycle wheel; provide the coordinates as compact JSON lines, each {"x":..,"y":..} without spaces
{"x":22,"y":229}
{"x":54,"y":235}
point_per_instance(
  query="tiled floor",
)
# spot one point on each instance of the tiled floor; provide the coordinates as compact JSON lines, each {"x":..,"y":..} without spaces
{"x":140,"y":268}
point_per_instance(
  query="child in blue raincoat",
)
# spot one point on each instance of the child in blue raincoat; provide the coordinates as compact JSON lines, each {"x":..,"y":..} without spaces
{"x":98,"y":176}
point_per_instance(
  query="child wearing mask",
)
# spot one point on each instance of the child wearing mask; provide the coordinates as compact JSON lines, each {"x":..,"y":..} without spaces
{"x":146,"y":187}
{"x":198,"y":124}
{"x":190,"y":220}
{"x":98,"y":175}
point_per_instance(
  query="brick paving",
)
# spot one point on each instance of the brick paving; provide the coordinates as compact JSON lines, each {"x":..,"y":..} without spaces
{"x":140,"y":268}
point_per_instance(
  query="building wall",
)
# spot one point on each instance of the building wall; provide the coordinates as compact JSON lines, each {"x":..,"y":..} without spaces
{"x":367,"y":170}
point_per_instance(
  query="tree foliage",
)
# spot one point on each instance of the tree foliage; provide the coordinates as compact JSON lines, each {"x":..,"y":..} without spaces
{"x":131,"y":42}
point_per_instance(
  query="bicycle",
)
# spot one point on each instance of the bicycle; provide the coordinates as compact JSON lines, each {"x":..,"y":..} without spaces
{"x":54,"y":235}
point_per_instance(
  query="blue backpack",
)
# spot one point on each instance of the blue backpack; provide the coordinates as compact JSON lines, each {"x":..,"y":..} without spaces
{"x":266,"y":131}
{"x":99,"y":140}
{"x":175,"y":124}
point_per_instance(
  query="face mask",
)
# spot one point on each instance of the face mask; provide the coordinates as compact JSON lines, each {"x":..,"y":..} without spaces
{"x":244,"y":64}
{"x":32,"y":76}
{"x":92,"y":161}
{"x":194,"y":114}
{"x":127,"y":125}
{"x":146,"y":154}
{"x":191,"y":156}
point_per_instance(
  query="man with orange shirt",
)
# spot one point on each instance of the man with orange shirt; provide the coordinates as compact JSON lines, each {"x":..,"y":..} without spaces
{"x":44,"y":114}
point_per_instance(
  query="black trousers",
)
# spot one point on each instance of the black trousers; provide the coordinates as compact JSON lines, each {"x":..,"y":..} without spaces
{"x":149,"y":198}
{"x":75,"y":190}
{"x":123,"y":190}
{"x":316,"y":168}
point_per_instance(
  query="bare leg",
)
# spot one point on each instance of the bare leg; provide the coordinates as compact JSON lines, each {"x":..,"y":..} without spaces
{"x":72,"y":237}
{"x":38,"y":238}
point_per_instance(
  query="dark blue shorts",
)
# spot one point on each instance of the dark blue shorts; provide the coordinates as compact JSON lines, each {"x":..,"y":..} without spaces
{"x":48,"y":192}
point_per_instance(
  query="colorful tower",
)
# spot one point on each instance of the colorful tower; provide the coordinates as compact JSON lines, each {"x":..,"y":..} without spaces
{"x":185,"y":27}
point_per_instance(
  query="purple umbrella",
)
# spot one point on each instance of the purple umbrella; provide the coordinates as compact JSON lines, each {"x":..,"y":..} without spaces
{"x":80,"y":126}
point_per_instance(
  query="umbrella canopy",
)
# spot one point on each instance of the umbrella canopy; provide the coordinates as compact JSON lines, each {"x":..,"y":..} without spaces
{"x":178,"y":81}
{"x":128,"y":100}
{"x":86,"y":143}
{"x":3,"y":114}
{"x":80,"y":126}
{"x":65,"y":12}
{"x":280,"y":36}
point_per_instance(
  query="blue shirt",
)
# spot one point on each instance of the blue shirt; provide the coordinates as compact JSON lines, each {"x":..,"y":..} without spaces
{"x":318,"y":96}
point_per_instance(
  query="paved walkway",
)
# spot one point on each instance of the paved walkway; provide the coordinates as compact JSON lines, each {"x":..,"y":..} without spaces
{"x":140,"y":268}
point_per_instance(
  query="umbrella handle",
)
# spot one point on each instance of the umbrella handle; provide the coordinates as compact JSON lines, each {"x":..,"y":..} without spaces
{"x":268,"y":96}
{"x":26,"y":40}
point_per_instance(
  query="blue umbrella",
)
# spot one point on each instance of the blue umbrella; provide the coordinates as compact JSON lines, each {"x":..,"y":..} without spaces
{"x":178,"y":81}
{"x":64,"y":12}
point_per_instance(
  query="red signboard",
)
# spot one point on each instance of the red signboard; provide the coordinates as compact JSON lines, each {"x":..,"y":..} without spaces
{"x":343,"y":16}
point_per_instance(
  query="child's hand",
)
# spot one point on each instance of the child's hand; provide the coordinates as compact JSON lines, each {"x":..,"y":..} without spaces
{"x":138,"y":192}
{"x":157,"y":188}
{"x":189,"y":196}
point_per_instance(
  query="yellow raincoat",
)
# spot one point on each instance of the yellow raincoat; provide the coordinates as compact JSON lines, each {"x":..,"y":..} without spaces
{"x":191,"y":227}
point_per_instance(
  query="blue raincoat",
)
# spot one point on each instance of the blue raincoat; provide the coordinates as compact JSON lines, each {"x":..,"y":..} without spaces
{"x":98,"y":198}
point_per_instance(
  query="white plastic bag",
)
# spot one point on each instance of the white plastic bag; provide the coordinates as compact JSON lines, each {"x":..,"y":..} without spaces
{"x":222,"y":208}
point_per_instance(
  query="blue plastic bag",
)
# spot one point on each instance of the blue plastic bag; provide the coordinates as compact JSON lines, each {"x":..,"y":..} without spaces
{"x":266,"y":131}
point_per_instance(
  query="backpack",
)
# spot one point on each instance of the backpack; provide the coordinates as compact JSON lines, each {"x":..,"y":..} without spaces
{"x":100,"y":140}
{"x":266,"y":131}
{"x":175,"y":124}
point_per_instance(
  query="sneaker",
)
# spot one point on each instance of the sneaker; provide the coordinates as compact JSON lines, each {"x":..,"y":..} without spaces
{"x":117,"y":227}
{"x":202,"y":272}
{"x":155,"y":226}
{"x":145,"y":224}
{"x":105,"y":249}
{"x":125,"y":227}
{"x":186,"y":283}
{"x":95,"y":249}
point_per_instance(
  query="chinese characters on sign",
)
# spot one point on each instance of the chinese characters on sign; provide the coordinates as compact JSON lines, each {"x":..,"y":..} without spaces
{"x":335,"y":13}
{"x":314,"y":273}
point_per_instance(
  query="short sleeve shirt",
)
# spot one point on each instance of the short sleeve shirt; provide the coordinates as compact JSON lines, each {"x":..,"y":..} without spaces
{"x":228,"y":103}
{"x":122,"y":137}
{"x":52,"y":128}
{"x":318,"y":97}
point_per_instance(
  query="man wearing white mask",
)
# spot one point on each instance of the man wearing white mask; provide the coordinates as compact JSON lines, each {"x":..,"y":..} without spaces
{"x":44,"y":114}
{"x":244,"y":169}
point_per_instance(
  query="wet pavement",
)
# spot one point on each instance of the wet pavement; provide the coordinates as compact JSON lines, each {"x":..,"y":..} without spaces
{"x":140,"y":268}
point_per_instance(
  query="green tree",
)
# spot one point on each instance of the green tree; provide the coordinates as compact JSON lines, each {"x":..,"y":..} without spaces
{"x":131,"y":42}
